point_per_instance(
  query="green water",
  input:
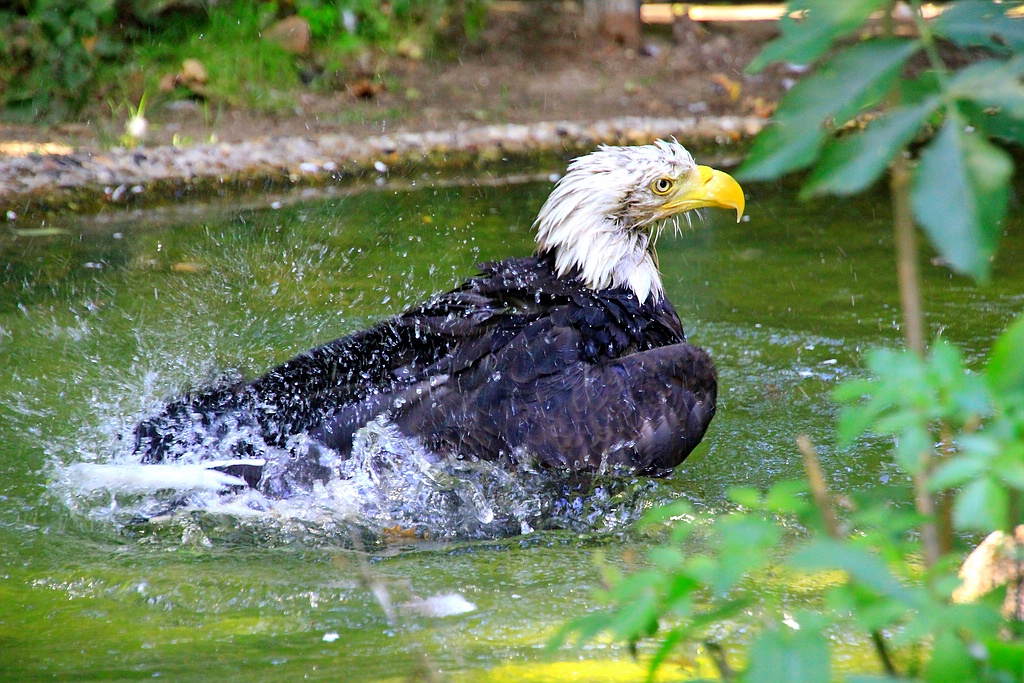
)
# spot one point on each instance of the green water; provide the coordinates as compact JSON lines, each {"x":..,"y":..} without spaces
{"x":101,"y":318}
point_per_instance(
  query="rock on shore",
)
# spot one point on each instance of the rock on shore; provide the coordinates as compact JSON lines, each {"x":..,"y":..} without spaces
{"x":91,"y":180}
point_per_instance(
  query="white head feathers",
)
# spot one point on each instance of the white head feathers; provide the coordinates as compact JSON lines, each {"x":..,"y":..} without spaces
{"x":601,"y":217}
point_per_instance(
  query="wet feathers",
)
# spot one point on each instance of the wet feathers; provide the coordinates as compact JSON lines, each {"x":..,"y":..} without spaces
{"x":570,"y":359}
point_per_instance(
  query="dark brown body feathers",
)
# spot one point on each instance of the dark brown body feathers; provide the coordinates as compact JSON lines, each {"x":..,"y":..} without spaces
{"x":516,"y":363}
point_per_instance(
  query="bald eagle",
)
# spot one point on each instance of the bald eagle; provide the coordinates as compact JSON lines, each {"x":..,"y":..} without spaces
{"x":571,"y":358}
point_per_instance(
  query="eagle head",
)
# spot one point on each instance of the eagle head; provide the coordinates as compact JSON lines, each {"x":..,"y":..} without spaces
{"x":603,"y":218}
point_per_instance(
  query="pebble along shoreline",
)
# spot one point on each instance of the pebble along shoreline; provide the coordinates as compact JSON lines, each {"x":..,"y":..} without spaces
{"x":92,"y":181}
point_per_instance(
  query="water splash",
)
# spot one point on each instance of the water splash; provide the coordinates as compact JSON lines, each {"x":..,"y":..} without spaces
{"x":391,"y":488}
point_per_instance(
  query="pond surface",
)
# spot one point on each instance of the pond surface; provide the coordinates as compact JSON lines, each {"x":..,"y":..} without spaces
{"x":102,"y":318}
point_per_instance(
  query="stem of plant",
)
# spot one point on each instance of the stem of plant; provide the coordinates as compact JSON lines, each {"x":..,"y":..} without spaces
{"x":908,"y":278}
{"x":819,"y":489}
{"x":945,"y":520}
{"x":1016,"y":587}
{"x":935,"y":535}
{"x":822,"y":497}
{"x":913,"y":334}
{"x":930,"y":46}
{"x":909,"y":281}
{"x":717,"y":655}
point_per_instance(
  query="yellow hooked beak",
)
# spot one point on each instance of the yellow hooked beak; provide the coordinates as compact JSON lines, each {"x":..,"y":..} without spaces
{"x":715,"y":189}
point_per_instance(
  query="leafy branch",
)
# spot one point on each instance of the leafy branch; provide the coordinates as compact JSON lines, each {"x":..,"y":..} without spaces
{"x":877,"y":104}
{"x":959,"y":187}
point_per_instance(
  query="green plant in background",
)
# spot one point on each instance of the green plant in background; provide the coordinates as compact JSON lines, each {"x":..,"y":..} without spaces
{"x":242,"y":69}
{"x":52,"y":48}
{"x":341,"y":27}
{"x":889,"y":563}
{"x":57,"y":56}
{"x":136,"y":127}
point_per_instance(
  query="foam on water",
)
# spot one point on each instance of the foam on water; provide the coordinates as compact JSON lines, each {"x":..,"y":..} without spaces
{"x":89,"y":478}
{"x":390,"y":487}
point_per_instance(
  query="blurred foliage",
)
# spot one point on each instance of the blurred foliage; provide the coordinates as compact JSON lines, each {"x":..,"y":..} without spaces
{"x":888,"y":568}
{"x":56,"y":56}
{"x":862,"y":106}
{"x":706,"y":576}
{"x":380,"y":22}
{"x":50,"y":50}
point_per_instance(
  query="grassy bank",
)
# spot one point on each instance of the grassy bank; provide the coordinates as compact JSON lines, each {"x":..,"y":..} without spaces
{"x":63,"y":59}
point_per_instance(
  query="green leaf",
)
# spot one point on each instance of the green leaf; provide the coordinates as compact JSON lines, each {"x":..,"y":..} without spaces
{"x":668,"y":644}
{"x":983,"y":446}
{"x":878,"y":614}
{"x":637,"y":584}
{"x":746,"y":496}
{"x":866,"y":568}
{"x":951,"y":661}
{"x":913,"y":441}
{"x":586,"y":628}
{"x":992,"y":84}
{"x":854,"y":421}
{"x":723,"y":611}
{"x":851,"y":390}
{"x":974,"y":620}
{"x":955,"y":472}
{"x":678,"y":596}
{"x":667,"y":558}
{"x":914,"y":91}
{"x":959,"y":197}
{"x":851,"y":164}
{"x":995,"y":123}
{"x":636,"y":618}
{"x":979,"y":23}
{"x":744,"y":542}
{"x":1010,"y":472}
{"x":805,"y":39}
{"x":1005,"y":370}
{"x":800,"y":657}
{"x":896,"y":421}
{"x":981,"y":506}
{"x":971,"y":399}
{"x":702,"y":568}
{"x":785,"y":145}
{"x":886,"y":363}
{"x":945,"y":364}
{"x":786,"y":497}
{"x":1006,"y":656}
{"x":855,"y":78}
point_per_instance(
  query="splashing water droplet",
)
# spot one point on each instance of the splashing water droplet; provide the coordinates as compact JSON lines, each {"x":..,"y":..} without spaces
{"x":390,"y":487}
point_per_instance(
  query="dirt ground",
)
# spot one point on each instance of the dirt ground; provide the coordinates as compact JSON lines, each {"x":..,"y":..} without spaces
{"x":532,"y":64}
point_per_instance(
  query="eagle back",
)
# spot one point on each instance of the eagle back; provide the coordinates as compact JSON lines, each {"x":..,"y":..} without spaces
{"x":515,"y":294}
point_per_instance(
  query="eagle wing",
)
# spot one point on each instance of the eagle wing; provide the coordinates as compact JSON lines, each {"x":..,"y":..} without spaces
{"x":516,"y":362}
{"x":358,"y":374}
{"x":540,"y":399}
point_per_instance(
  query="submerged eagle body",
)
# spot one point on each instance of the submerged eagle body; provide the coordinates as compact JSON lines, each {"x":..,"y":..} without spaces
{"x":572,"y":358}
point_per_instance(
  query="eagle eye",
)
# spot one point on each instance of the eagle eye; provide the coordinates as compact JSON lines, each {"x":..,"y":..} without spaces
{"x":661,"y":186}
